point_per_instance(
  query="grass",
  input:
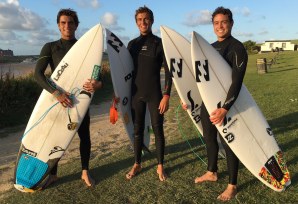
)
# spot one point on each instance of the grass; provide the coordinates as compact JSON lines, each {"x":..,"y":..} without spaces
{"x":272,"y":91}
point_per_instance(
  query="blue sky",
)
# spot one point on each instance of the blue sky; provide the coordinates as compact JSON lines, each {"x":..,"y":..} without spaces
{"x":25,"y":25}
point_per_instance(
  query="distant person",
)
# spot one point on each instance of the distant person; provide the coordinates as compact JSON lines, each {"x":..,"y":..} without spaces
{"x":235,"y":54}
{"x":51,"y":54}
{"x":148,"y":57}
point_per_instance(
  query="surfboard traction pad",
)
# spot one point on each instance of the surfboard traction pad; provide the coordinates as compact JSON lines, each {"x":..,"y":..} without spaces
{"x":279,"y":167}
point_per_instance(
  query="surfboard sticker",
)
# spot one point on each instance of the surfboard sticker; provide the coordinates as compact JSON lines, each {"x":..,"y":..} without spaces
{"x":277,"y":168}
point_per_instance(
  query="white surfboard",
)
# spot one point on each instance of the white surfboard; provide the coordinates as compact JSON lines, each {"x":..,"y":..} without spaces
{"x":49,"y":131}
{"x":178,"y":56}
{"x":121,"y":67}
{"x":246,"y":129}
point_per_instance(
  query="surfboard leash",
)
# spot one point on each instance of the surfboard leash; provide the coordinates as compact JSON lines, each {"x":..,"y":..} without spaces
{"x":184,"y":137}
{"x":40,"y":119}
{"x":72,"y":124}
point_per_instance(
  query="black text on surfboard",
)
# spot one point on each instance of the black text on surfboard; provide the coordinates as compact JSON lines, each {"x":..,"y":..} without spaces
{"x":199,"y":68}
{"x":60,"y":71}
{"x":128,"y":77}
{"x":176,"y":66}
{"x":195,"y":109}
{"x":115,"y":42}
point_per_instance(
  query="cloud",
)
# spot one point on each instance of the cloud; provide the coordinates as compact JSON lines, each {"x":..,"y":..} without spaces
{"x":242,"y":11}
{"x":265,"y":32}
{"x":196,"y":18}
{"x":110,"y":21}
{"x":14,"y":17}
{"x":87,"y":3}
{"x":243,"y":34}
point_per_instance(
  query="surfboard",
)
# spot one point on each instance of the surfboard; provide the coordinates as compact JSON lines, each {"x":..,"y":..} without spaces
{"x":178,"y":56}
{"x":245,"y":129}
{"x":52,"y":127}
{"x":121,"y":67}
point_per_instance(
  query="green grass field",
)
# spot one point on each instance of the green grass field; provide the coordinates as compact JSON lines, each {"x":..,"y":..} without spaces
{"x":276,"y":94}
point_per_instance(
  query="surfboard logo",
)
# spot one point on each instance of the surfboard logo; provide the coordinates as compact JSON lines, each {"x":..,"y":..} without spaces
{"x":128,"y":77}
{"x":60,"y":71}
{"x":202,"y":70}
{"x":176,"y":66}
{"x":125,"y":101}
{"x":115,"y":42}
{"x":230,"y":137}
{"x":29,"y":152}
{"x":195,"y":108}
{"x":56,"y":149}
{"x":269,"y":131}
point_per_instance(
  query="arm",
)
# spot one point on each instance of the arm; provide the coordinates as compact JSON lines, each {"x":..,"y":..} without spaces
{"x":238,"y":60}
{"x":45,"y":58}
{"x":164,"y":103}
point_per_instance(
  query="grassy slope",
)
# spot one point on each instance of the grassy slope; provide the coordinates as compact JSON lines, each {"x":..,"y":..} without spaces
{"x":272,"y":91}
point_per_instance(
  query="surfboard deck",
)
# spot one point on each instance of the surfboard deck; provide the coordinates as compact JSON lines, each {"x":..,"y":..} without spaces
{"x":178,"y":56}
{"x":49,"y":131}
{"x":246,"y":130}
{"x":121,"y":67}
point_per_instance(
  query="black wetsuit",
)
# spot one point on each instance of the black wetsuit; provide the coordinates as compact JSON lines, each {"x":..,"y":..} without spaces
{"x":52,"y":53}
{"x":148,"y":57}
{"x":235,"y":54}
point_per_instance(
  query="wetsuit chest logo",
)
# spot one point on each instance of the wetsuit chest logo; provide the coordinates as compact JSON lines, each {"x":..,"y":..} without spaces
{"x":144,"y":48}
{"x":60,"y":71}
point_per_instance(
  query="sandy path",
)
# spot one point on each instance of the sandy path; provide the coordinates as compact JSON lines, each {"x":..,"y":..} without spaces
{"x":104,"y":137}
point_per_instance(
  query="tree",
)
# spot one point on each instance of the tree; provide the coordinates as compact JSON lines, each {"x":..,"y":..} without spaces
{"x":250,"y":46}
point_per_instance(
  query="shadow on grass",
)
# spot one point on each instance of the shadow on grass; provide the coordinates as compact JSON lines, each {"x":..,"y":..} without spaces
{"x":285,"y":123}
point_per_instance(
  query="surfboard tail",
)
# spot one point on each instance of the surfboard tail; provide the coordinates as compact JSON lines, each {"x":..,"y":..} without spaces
{"x":276,"y":173}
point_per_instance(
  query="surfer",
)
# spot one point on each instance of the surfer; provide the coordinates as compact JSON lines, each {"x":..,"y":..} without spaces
{"x":235,"y":54}
{"x":148,"y":57}
{"x":51,"y":54}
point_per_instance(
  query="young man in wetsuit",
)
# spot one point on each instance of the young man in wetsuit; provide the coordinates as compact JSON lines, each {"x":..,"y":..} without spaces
{"x":235,"y":54}
{"x":148,"y":57}
{"x":52,"y":53}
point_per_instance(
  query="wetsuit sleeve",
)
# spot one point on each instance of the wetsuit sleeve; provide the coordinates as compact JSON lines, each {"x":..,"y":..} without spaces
{"x":168,"y":78}
{"x":45,"y":58}
{"x":238,"y":58}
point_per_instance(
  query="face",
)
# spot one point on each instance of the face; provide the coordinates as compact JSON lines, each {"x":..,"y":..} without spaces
{"x":222,"y":26}
{"x":67,"y":27}
{"x":144,"y":23}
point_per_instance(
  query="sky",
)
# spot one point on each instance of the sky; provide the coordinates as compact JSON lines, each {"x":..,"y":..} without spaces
{"x":26,"y":25}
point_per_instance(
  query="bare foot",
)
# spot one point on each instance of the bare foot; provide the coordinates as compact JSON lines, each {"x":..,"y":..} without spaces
{"x":228,"y":194}
{"x":87,"y":178}
{"x":50,"y":180}
{"x":208,"y":176}
{"x":134,"y":171}
{"x":161,"y":173}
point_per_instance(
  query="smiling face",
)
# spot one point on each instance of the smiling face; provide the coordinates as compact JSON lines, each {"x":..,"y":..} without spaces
{"x":222,"y":26}
{"x":144,"y":23}
{"x":67,"y":27}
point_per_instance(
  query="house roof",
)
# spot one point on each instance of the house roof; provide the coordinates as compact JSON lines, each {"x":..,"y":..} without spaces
{"x":278,"y":41}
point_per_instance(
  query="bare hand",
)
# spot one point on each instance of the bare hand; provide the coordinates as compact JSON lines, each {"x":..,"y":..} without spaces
{"x":63,"y":98}
{"x":218,"y":116}
{"x":164,"y":104}
{"x":183,"y":105}
{"x":91,"y":85}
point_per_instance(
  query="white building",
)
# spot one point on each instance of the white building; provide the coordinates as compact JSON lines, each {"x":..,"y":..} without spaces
{"x":275,"y":45}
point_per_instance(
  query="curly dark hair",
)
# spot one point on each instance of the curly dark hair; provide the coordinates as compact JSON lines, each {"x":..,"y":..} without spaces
{"x":144,"y":9}
{"x":224,"y":11}
{"x":68,"y":12}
